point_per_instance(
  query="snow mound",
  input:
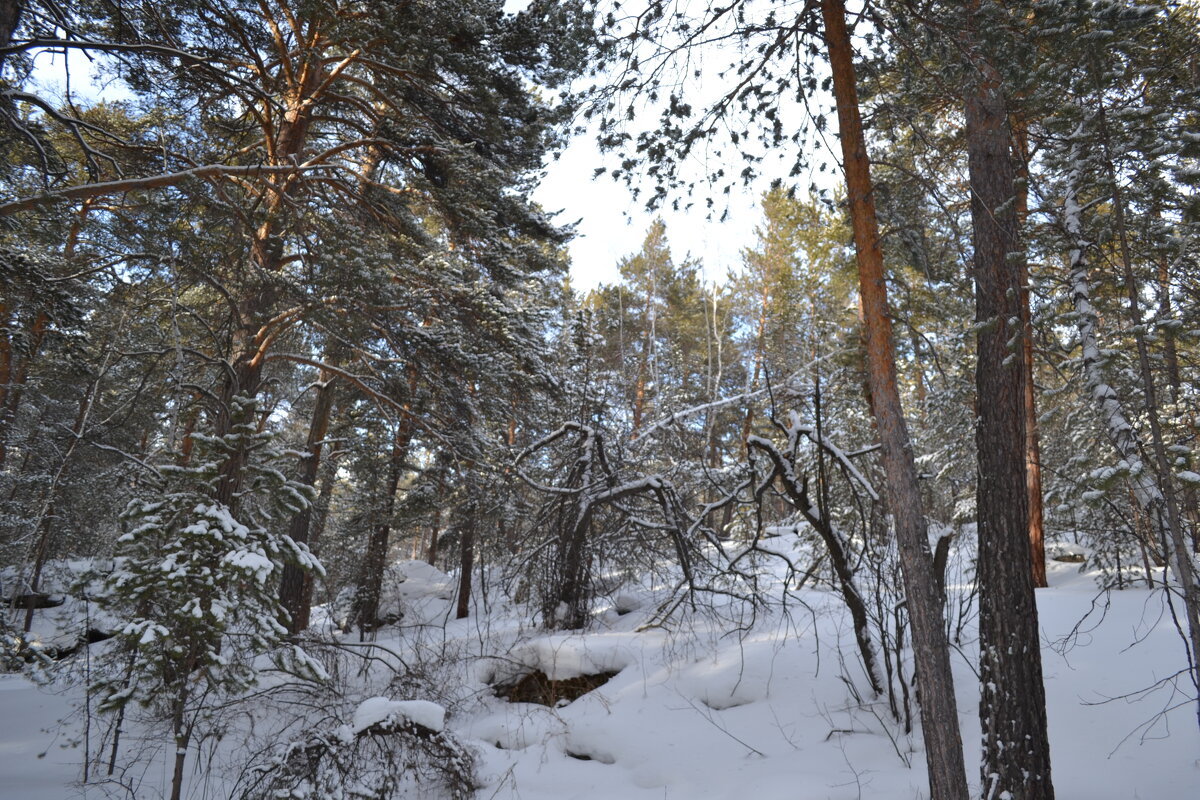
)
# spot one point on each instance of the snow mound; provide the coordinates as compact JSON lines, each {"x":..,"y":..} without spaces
{"x":380,"y":709}
{"x":566,"y":656}
{"x":731,"y":678}
{"x":416,"y":578}
{"x":627,"y":602}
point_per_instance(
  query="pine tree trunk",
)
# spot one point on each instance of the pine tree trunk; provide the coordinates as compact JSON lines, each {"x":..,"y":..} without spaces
{"x":243,"y":377}
{"x":10,"y":17}
{"x":366,"y":613}
{"x":6,"y":369}
{"x":13,"y":389}
{"x":639,"y":392}
{"x":939,"y":710}
{"x":295,"y":585}
{"x":760,"y":346}
{"x":466,"y":563}
{"x":435,"y":527}
{"x":1033,"y":447}
{"x":1191,"y":508}
{"x":1033,"y":452}
{"x":182,"y":736}
{"x":1016,"y":749}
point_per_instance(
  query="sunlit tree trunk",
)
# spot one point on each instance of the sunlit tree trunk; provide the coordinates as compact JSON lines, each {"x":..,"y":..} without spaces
{"x":925,"y":602}
{"x":1033,"y":447}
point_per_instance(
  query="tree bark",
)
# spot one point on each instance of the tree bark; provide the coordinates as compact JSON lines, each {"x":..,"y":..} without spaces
{"x":466,"y":563}
{"x":1170,"y":526}
{"x":295,"y":585}
{"x":1016,"y":749}
{"x":370,"y":589}
{"x":10,"y":17}
{"x":925,"y":601}
{"x":1033,"y":447}
{"x":13,"y":389}
{"x":435,"y":527}
{"x":1190,"y":508}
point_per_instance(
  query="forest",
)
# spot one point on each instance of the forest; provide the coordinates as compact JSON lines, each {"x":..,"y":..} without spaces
{"x":325,"y":473}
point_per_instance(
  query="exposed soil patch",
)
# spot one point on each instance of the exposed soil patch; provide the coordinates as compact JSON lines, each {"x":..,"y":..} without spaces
{"x":599,"y":758}
{"x":537,"y":688}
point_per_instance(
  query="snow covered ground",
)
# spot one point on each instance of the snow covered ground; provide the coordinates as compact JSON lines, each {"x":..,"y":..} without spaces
{"x":703,"y":710}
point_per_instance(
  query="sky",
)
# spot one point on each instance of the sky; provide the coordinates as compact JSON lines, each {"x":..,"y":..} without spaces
{"x":612,"y":224}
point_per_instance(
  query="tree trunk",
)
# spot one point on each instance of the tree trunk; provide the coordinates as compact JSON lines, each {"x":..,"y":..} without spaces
{"x":243,"y":377}
{"x":939,"y":710}
{"x":296,"y":584}
{"x":760,"y":346}
{"x":1191,"y":508}
{"x":466,"y":563}
{"x":1033,"y":447}
{"x":1016,"y":749}
{"x":370,"y":588}
{"x":10,"y":17}
{"x":639,"y":393}
{"x":6,"y":369}
{"x":316,"y":526}
{"x":435,"y":527}
{"x":13,"y":389}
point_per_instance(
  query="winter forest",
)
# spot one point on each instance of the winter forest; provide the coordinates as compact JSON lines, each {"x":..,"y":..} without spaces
{"x":324,"y":474}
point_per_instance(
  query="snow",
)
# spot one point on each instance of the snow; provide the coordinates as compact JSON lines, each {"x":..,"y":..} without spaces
{"x":563,"y":656}
{"x":252,"y":561}
{"x":380,"y":709}
{"x":36,"y":761}
{"x":715,"y":705}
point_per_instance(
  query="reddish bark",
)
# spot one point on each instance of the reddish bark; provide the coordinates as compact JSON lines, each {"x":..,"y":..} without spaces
{"x":1033,"y":447}
{"x":939,"y":712}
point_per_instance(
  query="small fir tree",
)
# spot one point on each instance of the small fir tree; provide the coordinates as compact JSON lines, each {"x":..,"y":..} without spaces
{"x":195,"y":582}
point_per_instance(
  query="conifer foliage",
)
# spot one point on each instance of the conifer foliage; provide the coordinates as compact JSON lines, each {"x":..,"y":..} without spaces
{"x":289,"y":355}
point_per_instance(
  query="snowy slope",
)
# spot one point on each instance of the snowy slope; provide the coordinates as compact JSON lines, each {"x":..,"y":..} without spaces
{"x":706,"y":710}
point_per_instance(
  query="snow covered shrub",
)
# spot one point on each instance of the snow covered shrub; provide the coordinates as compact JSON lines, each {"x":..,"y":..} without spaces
{"x":597,"y":518}
{"x":195,"y":582}
{"x":346,"y":738}
{"x":391,"y":749}
{"x":14,"y":650}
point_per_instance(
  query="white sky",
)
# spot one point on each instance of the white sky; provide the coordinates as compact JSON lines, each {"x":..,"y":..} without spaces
{"x":612,"y":224}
